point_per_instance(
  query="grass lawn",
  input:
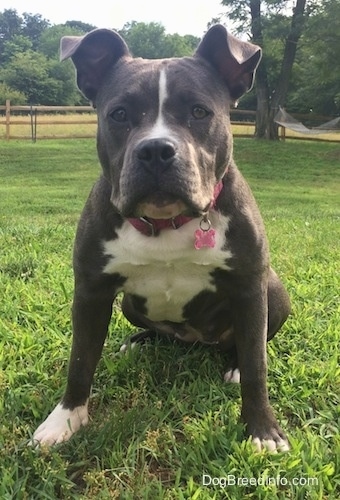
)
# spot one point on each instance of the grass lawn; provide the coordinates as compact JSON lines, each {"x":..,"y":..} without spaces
{"x":162,"y":422}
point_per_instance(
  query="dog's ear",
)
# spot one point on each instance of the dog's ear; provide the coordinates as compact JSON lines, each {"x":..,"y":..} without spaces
{"x":234,"y":59}
{"x":93,"y":54}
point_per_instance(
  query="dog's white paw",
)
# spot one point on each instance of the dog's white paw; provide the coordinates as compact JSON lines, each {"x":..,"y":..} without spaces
{"x":125,"y":347}
{"x":232,"y":376}
{"x":60,"y":425}
{"x":271,"y":445}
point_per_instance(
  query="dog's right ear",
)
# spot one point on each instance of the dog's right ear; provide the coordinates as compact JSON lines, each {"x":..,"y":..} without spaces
{"x":93,"y":55}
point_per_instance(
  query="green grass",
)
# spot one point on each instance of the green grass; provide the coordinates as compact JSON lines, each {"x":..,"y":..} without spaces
{"x":161,"y":416}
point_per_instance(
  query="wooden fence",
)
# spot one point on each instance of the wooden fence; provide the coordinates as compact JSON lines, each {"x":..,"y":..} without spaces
{"x":26,"y":121}
{"x":49,"y":122}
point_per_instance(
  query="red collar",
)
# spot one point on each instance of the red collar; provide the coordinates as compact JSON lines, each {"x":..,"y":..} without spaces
{"x":152,"y":227}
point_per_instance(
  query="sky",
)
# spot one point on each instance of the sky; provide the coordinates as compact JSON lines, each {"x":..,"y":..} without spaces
{"x":177,"y":16}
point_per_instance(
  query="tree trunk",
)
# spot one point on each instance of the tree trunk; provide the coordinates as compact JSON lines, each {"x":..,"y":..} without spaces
{"x":267,"y":106}
{"x":262,"y":87}
{"x":262,"y":109}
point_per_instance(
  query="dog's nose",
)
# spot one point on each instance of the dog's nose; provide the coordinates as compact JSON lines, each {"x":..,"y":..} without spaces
{"x":153,"y":153}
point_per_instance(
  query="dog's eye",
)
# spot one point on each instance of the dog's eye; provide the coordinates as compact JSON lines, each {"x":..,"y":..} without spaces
{"x":199,"y":113}
{"x":119,"y":115}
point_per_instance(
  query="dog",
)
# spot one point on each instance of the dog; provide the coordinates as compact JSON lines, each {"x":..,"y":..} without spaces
{"x":171,"y":223}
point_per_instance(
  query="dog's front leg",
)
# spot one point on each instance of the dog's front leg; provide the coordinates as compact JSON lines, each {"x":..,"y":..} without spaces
{"x":250,"y":316}
{"x":91,"y":316}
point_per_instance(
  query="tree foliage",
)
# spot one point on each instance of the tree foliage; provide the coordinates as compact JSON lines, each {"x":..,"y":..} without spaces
{"x":150,"y":41}
{"x":29,"y":55}
{"x":30,"y":70}
{"x":316,"y":75}
{"x":298,"y":39}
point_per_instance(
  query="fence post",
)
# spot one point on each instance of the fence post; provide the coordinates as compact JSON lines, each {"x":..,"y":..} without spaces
{"x":283,"y":133}
{"x":33,"y":114}
{"x":8,"y":118}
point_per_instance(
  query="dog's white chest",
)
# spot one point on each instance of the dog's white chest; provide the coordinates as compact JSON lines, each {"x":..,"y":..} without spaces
{"x":166,"y":270}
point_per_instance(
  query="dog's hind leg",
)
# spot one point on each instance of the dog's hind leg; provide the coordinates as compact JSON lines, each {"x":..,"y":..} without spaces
{"x":232,"y":375}
{"x":132,"y":308}
{"x":278,"y":310}
{"x":279,"y":306}
{"x":138,"y":338}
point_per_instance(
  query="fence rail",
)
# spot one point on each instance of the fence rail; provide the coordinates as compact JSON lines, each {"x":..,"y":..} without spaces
{"x":48,"y":122}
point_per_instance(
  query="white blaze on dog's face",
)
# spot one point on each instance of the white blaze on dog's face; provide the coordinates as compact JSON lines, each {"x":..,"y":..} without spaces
{"x":160,"y":128}
{"x":160,"y":208}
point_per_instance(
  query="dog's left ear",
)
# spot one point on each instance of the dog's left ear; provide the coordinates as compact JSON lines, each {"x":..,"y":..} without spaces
{"x":234,"y":59}
{"x":93,"y":54}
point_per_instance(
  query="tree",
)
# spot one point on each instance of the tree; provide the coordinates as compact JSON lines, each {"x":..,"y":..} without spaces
{"x":33,"y":26}
{"x":300,"y":68}
{"x":257,"y":16}
{"x":150,"y":41}
{"x":144,"y":40}
{"x":29,"y":56}
{"x":15,"y":96}
{"x":178,"y":46}
{"x":12,"y":26}
{"x":79,"y":26}
{"x":30,"y":66}
{"x":66,"y":92}
{"x":17,"y":44}
{"x":315,"y":85}
{"x":28,"y":73}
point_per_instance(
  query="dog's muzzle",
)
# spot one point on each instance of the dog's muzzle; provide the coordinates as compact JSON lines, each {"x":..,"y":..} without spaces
{"x":160,"y":180}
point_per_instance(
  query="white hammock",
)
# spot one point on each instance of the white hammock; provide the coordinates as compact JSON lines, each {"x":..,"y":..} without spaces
{"x":287,"y":121}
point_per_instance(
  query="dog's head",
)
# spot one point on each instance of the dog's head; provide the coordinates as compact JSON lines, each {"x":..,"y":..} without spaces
{"x":164,"y":137}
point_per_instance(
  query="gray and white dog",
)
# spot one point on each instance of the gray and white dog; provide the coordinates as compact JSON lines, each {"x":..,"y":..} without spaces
{"x":171,"y":223}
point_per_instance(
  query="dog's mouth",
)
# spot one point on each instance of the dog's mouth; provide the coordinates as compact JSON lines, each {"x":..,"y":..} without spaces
{"x":161,"y":205}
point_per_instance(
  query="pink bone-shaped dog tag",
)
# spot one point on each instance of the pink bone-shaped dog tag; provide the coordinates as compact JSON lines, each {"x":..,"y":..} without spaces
{"x":205,"y":238}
